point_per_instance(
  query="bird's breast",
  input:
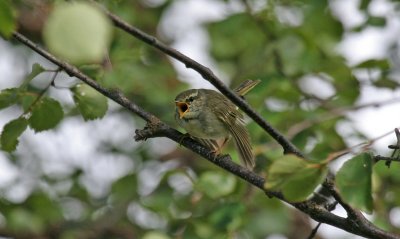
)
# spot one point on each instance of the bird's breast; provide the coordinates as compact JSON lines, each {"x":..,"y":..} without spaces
{"x":205,"y":128}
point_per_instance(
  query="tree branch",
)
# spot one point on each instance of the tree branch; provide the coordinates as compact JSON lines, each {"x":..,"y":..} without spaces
{"x":387,"y":159}
{"x":157,"y":128}
{"x":355,"y":217}
{"x":73,"y":71}
{"x":314,"y":231}
{"x":334,"y":113}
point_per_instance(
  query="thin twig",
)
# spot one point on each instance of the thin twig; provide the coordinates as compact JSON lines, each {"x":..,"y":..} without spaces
{"x":396,"y":152}
{"x":351,"y":213}
{"x":73,"y":71}
{"x":364,"y":145}
{"x":314,"y":231}
{"x":334,"y":113}
{"x":42,"y":92}
{"x":330,"y":207}
{"x":387,"y":159}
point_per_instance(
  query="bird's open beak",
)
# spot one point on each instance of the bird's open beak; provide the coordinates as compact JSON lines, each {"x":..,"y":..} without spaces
{"x":182,"y":108}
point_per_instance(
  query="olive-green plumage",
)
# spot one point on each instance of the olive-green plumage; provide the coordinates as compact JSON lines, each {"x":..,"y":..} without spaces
{"x":209,"y":116}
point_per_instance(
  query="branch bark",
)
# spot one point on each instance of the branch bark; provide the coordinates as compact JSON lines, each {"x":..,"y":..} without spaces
{"x":157,"y":128}
{"x":387,"y":159}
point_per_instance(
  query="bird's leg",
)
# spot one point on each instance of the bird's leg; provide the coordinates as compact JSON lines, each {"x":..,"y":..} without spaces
{"x":218,"y":149}
{"x":224,"y":142}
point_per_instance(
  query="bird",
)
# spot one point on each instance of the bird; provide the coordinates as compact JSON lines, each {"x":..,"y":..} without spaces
{"x":209,"y":117}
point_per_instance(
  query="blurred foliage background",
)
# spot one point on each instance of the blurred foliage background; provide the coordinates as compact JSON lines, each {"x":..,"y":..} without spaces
{"x":89,"y":179}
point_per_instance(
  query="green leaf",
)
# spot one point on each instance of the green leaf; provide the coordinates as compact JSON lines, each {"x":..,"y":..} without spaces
{"x":385,"y":82}
{"x":346,"y":85}
{"x":40,"y":200}
{"x":26,"y":99}
{"x":11,"y":131}
{"x":216,"y":184}
{"x":36,"y":70}
{"x":225,"y":45}
{"x":78,"y":32}
{"x":7,"y":19}
{"x":295,"y":177}
{"x":376,"y":21}
{"x":228,"y":216}
{"x":155,"y":235}
{"x":46,"y":114}
{"x":203,"y":230}
{"x":21,"y":219}
{"x":303,"y":183}
{"x":124,"y":189}
{"x":281,"y":169}
{"x":90,"y":103}
{"x":364,"y":4}
{"x":8,"y":97}
{"x":374,"y":63}
{"x":353,"y":181}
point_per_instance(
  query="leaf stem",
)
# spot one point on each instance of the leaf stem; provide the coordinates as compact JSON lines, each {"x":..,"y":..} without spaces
{"x":42,"y":92}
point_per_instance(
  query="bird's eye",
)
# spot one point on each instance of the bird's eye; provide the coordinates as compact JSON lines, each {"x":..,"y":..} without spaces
{"x":191,"y":98}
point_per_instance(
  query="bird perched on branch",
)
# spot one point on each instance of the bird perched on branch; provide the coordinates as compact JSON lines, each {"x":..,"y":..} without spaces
{"x":210,"y":117}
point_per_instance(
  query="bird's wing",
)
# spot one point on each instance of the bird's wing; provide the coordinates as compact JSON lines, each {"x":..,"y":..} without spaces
{"x":227,"y":112}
